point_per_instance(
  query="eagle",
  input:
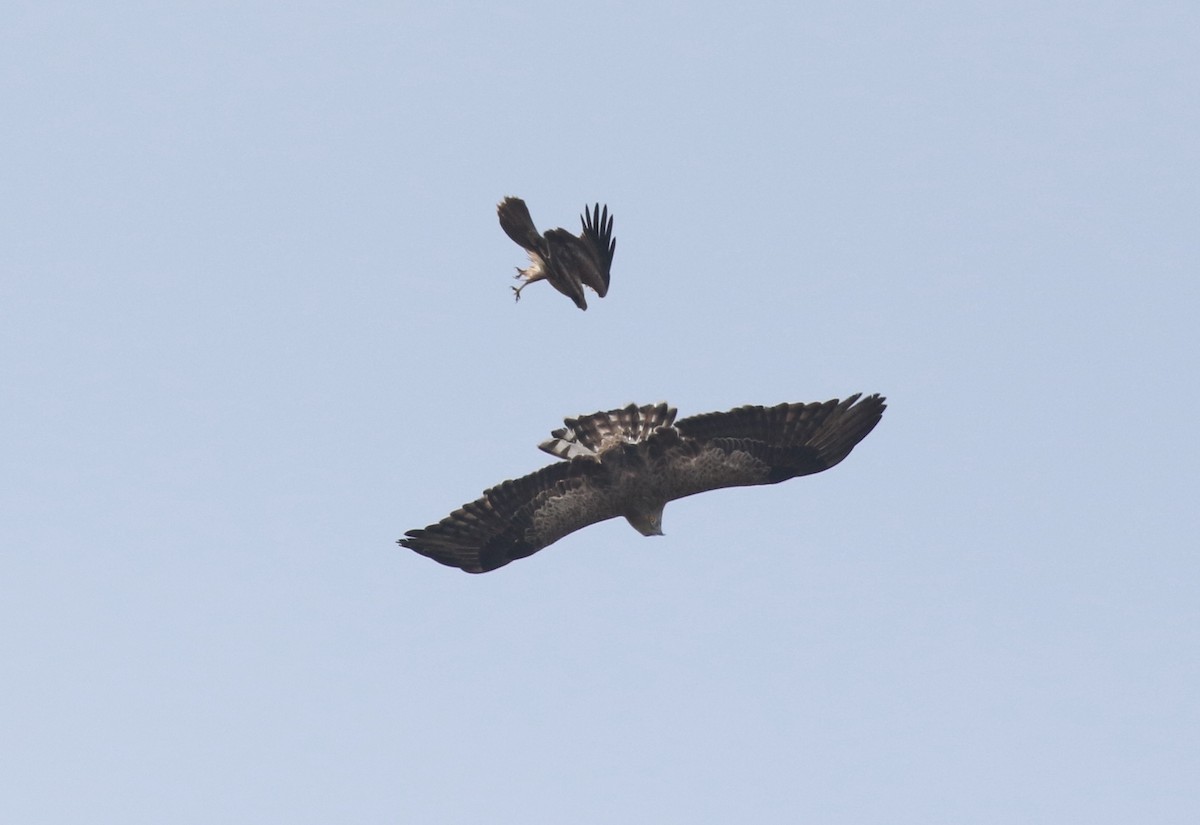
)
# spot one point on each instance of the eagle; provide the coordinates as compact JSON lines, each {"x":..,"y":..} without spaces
{"x":630,"y":462}
{"x":569,"y":262}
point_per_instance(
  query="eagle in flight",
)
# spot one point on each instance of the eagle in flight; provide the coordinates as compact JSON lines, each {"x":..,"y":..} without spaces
{"x":631,"y":462}
{"x":567,"y":261}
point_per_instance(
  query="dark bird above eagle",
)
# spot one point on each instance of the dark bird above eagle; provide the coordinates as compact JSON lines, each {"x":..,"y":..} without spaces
{"x":569,"y":262}
{"x":631,"y":462}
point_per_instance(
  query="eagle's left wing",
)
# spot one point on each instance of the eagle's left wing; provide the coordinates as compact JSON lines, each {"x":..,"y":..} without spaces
{"x":569,"y":264}
{"x":517,"y":518}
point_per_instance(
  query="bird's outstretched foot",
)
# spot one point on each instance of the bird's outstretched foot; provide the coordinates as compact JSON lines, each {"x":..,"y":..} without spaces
{"x":517,"y":292}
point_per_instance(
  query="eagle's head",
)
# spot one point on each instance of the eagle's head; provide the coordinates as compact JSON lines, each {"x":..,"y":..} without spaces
{"x":646,"y":522}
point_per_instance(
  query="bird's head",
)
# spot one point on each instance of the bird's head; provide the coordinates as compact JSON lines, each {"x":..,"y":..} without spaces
{"x":646,"y":522}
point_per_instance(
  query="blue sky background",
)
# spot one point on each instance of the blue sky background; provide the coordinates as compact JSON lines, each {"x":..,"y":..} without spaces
{"x":255,"y":323}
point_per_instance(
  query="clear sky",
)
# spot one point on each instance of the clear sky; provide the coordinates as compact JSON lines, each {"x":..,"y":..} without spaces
{"x":255,"y":323}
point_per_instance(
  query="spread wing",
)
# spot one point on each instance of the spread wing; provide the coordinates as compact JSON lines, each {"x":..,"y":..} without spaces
{"x":517,"y":518}
{"x":597,"y":234}
{"x":517,"y":223}
{"x":764,"y":445}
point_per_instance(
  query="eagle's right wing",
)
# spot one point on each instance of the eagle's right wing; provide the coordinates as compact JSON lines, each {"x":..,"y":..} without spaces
{"x":597,"y":234}
{"x":791,"y":439}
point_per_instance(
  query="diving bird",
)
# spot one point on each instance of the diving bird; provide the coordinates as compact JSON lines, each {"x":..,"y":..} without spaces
{"x":630,"y":462}
{"x":569,"y":262}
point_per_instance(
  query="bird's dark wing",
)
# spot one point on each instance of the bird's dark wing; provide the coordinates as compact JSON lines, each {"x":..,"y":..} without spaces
{"x":569,"y":265}
{"x":597,"y":233}
{"x":517,"y":518}
{"x":765,"y":445}
{"x":788,"y":424}
{"x":517,"y":223}
{"x":687,"y":467}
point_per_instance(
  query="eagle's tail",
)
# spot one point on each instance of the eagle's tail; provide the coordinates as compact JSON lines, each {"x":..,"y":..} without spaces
{"x":590,"y":435}
{"x":517,"y":223}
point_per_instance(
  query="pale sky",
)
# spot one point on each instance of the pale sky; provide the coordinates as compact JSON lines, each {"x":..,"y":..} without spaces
{"x":255,"y":323}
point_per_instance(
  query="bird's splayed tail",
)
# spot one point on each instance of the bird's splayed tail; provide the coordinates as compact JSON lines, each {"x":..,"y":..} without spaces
{"x":517,"y":223}
{"x":590,"y":435}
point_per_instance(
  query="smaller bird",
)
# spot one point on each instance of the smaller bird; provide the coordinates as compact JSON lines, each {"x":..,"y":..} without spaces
{"x":569,"y":262}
